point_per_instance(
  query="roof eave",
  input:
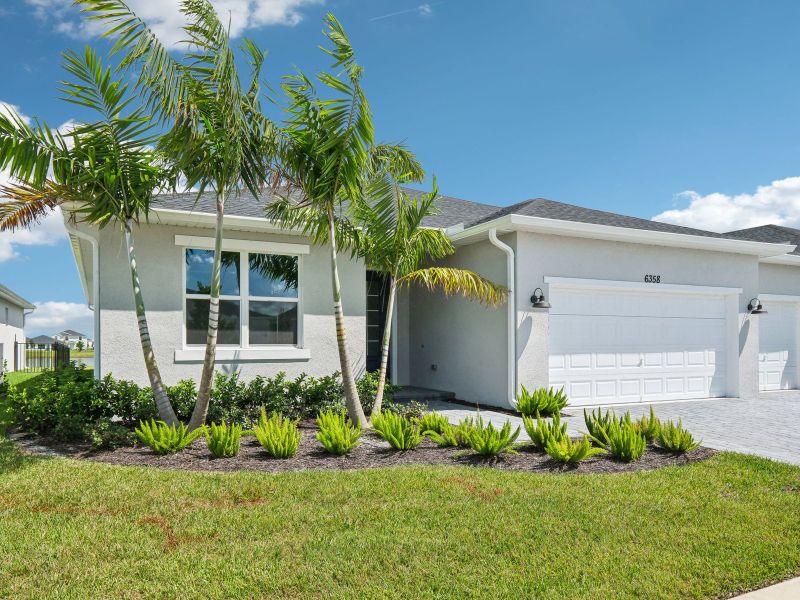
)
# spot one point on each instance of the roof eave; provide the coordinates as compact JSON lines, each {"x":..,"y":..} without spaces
{"x":15,"y":298}
{"x":786,"y":259}
{"x":170,"y":216}
{"x":514,"y":222}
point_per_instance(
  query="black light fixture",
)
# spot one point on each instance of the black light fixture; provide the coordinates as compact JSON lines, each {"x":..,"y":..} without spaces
{"x":538,"y":299}
{"x":755,"y":307}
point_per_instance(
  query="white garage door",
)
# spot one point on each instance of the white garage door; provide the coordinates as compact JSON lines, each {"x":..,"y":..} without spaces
{"x":777,"y":359}
{"x":613,"y":346}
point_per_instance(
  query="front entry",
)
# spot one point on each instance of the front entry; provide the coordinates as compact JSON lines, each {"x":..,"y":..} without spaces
{"x":377,"y":297}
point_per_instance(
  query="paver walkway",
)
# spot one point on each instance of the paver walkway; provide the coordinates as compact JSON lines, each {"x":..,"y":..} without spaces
{"x":768,"y":427}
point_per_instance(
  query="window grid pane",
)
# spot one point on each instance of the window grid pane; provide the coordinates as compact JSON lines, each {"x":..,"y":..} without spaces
{"x":273,"y":323}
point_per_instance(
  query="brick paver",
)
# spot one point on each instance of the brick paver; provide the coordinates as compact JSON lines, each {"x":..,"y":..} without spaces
{"x":768,"y":427}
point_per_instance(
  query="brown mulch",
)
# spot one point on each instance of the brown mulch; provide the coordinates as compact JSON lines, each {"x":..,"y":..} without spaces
{"x":373,"y":452}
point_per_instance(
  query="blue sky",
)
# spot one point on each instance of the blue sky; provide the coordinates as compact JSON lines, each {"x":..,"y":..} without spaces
{"x":689,"y":111}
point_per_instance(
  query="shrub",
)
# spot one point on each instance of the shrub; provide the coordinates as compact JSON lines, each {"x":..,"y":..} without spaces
{"x":336,"y":433}
{"x":166,"y":439}
{"x":567,"y":451}
{"x":625,"y":442}
{"x":486,"y":440}
{"x":675,"y":438}
{"x":400,"y":432}
{"x":432,"y":421}
{"x":410,"y":410}
{"x":541,"y":431}
{"x":105,"y":434}
{"x":541,"y":401}
{"x":447,"y":438}
{"x":223,"y":440}
{"x":598,"y":424}
{"x":278,"y":435}
{"x":182,"y":396}
{"x":463,"y":430}
{"x":648,"y":426}
{"x":367,"y":386}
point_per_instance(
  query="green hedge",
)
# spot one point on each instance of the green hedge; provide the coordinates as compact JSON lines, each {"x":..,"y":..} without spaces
{"x":71,"y":405}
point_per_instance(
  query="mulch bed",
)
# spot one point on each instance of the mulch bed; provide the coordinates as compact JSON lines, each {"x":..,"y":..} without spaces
{"x":373,"y":452}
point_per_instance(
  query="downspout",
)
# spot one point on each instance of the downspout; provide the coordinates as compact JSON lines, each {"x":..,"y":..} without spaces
{"x":95,"y":303}
{"x":512,"y":313}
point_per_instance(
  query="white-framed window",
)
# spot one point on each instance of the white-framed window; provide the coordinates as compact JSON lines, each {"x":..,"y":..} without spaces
{"x":260,"y":295}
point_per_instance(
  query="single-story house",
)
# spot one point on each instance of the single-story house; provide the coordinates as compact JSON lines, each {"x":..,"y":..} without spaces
{"x":71,"y":338}
{"x":613,"y":308}
{"x":13,"y":310}
{"x":41,"y":342}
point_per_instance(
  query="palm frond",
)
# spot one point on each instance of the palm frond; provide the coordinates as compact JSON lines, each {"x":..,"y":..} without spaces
{"x":457,"y":281}
{"x":23,"y":206}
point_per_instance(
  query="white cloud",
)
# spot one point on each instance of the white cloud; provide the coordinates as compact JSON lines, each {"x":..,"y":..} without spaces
{"x":165,"y":19}
{"x":50,"y":318}
{"x":49,"y":231}
{"x":423,"y":10}
{"x":777,"y":203}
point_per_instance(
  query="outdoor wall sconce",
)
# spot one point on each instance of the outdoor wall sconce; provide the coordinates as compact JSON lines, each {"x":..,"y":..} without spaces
{"x":538,"y":299}
{"x":755,"y":307}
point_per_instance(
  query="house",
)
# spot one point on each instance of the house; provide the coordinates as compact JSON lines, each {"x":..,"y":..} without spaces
{"x":613,"y":308}
{"x":41,"y":342}
{"x":13,"y":310}
{"x":72,"y":338}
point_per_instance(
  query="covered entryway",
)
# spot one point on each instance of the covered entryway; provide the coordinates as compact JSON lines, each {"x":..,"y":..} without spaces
{"x":616,"y":342}
{"x":778,"y":343}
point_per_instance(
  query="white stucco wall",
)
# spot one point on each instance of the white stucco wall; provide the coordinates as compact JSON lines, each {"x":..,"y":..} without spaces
{"x":11,"y":331}
{"x":160,"y":267}
{"x":779,"y":279}
{"x":540,"y":255}
{"x":464,"y":340}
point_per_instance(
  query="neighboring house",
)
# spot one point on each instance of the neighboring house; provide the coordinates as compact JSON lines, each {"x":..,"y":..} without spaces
{"x":41,"y":342}
{"x":640,"y":310}
{"x":71,"y":338}
{"x":13,"y":310}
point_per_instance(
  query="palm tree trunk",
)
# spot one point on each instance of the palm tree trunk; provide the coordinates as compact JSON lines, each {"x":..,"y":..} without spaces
{"x":165,"y":410}
{"x":200,"y":411}
{"x":387,"y":335}
{"x":354,"y":408}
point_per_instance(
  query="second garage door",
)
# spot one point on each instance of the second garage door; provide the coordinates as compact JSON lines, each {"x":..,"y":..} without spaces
{"x":640,"y":345}
{"x":777,"y":357}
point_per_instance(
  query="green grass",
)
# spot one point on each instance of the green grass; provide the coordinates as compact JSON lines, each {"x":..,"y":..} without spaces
{"x":73,"y":529}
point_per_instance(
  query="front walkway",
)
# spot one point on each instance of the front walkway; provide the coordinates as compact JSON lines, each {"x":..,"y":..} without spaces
{"x":768,"y":427}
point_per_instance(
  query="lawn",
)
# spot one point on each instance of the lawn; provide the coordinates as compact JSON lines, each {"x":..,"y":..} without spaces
{"x":73,"y":528}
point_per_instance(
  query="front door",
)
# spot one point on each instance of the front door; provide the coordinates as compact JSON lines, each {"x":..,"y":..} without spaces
{"x":377,"y":297}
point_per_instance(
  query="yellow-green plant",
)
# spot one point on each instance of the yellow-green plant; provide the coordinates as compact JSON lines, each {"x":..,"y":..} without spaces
{"x":598,"y":424}
{"x":462,"y":431}
{"x":400,"y":432}
{"x":166,"y":439}
{"x":278,"y":435}
{"x":675,"y":438}
{"x":336,"y":433}
{"x":487,"y":440}
{"x":649,"y":426}
{"x":223,"y":440}
{"x":542,"y":431}
{"x":541,"y":401}
{"x":432,"y":421}
{"x":570,"y":452}
{"x":625,"y":441}
{"x":446,"y":438}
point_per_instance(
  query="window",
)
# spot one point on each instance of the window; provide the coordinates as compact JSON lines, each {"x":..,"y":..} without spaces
{"x":259,"y":298}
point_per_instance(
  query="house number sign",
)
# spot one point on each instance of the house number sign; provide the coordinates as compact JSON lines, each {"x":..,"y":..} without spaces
{"x":652,"y":278}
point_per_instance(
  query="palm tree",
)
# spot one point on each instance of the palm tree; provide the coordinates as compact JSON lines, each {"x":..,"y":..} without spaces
{"x":219,"y":138}
{"x":107,"y":170}
{"x":396,"y":243}
{"x":326,"y":153}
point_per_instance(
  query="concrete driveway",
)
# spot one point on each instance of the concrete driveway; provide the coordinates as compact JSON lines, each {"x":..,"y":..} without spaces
{"x":768,"y":427}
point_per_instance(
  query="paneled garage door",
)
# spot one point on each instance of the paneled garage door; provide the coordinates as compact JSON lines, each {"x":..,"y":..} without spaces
{"x":614,"y":346}
{"x":777,"y":358}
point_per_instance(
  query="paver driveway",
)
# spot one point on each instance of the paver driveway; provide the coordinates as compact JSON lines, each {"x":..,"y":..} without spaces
{"x":768,"y":427}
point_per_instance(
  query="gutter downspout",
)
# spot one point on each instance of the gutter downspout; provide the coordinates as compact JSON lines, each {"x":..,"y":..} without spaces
{"x":95,"y":303}
{"x":512,"y":321}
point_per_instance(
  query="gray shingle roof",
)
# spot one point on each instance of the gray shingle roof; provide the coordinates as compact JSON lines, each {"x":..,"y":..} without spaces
{"x":775,"y":234}
{"x":41,"y":339}
{"x":550,"y":209}
{"x":451,"y":210}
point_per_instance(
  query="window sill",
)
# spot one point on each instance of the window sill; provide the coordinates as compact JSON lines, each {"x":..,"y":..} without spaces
{"x":240,"y":355}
